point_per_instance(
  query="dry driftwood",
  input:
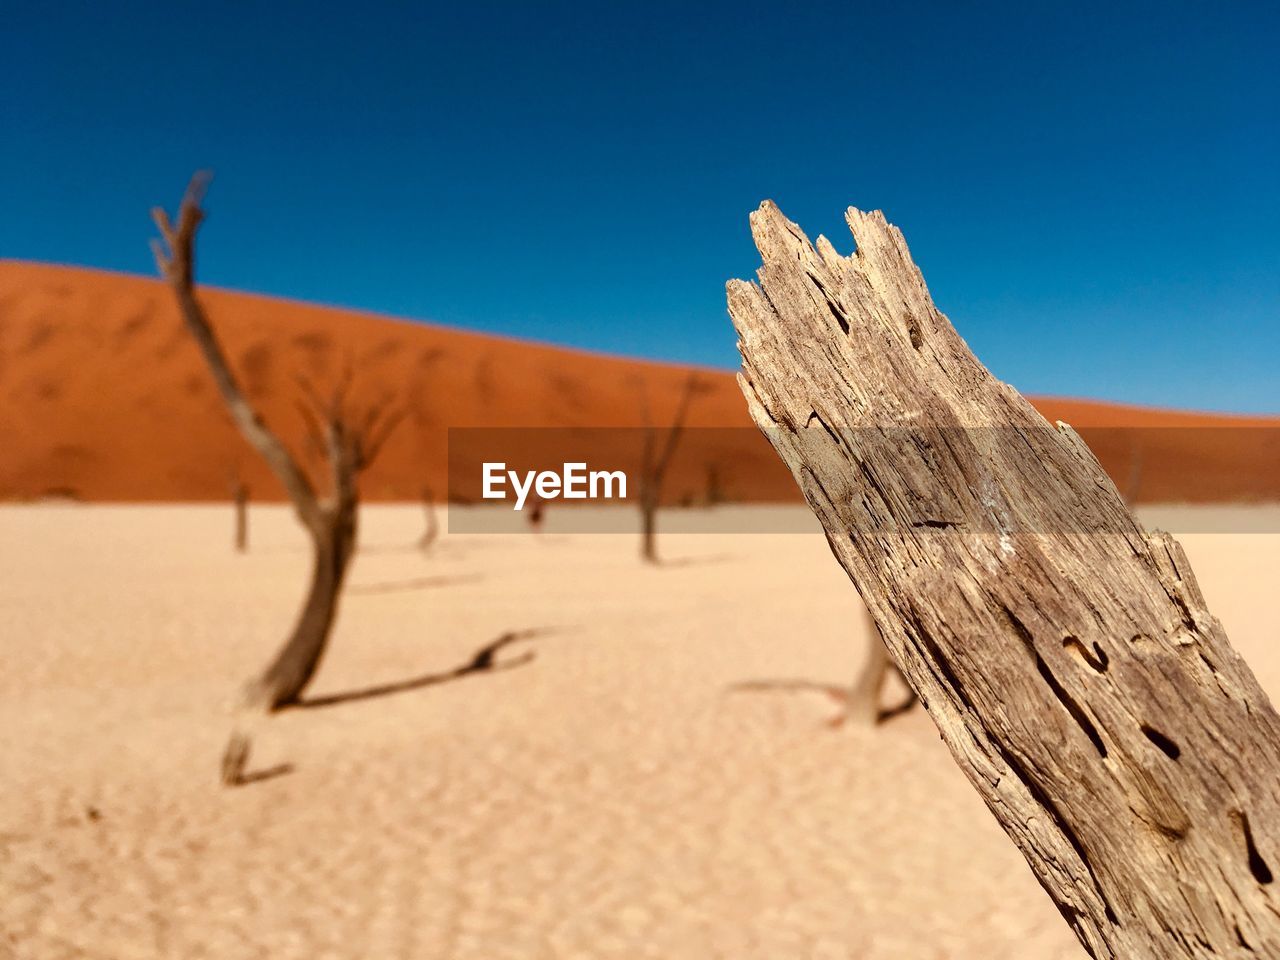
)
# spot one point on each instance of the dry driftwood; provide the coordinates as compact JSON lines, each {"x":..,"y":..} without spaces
{"x":1065,"y":653}
{"x":348,"y":445}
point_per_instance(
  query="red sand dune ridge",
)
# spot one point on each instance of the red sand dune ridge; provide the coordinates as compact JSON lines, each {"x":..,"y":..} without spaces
{"x":105,"y":398}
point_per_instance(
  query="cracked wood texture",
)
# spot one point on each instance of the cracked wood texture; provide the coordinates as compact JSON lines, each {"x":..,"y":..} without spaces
{"x":1065,"y":653}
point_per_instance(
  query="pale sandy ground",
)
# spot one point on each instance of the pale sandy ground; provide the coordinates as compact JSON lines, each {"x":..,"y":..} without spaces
{"x":614,"y":798}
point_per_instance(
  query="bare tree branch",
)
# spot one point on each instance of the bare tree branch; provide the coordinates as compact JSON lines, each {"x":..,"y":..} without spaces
{"x":311,"y":425}
{"x":653,"y":470}
{"x":175,"y":257}
{"x":692,"y":385}
{"x":372,"y":438}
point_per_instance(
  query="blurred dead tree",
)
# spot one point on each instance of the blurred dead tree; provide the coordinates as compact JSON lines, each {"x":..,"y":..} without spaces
{"x":715,"y":493}
{"x":422,"y":422}
{"x":348,"y":441}
{"x":865,"y":705}
{"x":240,"y":500}
{"x":1133,"y":486}
{"x":655,"y":461}
{"x":431,"y":531}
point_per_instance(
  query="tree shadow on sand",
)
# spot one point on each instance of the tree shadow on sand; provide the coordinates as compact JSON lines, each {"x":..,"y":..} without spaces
{"x":415,"y":583}
{"x":692,"y":561}
{"x":485,"y":660}
{"x":834,"y":691}
{"x":266,"y":773}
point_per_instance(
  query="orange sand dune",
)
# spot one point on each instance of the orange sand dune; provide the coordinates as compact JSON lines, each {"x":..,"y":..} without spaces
{"x":104,"y":397}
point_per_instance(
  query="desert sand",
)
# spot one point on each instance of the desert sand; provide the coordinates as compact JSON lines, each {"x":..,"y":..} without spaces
{"x":661,"y":780}
{"x":104,"y":397}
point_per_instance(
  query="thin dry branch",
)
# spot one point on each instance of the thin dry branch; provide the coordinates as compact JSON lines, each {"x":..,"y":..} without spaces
{"x":175,"y":257}
{"x":339,"y":433}
{"x":379,"y":424}
{"x":654,"y":467}
{"x":692,"y":385}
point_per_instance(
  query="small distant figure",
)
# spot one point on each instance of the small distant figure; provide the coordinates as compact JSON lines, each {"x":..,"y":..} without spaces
{"x":537,"y":513}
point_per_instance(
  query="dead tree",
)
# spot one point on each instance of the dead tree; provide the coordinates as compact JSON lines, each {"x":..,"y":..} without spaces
{"x":349,"y":444}
{"x":654,"y":464}
{"x":1134,"y":484}
{"x":715,"y":494}
{"x":1065,"y":652}
{"x":865,"y":705}
{"x":240,"y":499}
{"x":421,"y":421}
{"x":432,"y":529}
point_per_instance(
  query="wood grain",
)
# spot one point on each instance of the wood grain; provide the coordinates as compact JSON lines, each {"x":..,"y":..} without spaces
{"x":1065,"y":653}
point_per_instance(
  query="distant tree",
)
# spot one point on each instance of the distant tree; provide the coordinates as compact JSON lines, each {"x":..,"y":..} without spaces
{"x":421,"y":421}
{"x":655,"y":462}
{"x":432,"y":529}
{"x":865,"y":704}
{"x":1134,"y":484}
{"x":349,"y":443}
{"x":240,"y":498}
{"x":715,"y":485}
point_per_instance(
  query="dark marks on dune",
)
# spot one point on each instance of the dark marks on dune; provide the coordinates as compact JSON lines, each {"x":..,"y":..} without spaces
{"x":568,"y":390}
{"x":419,"y":393}
{"x":195,"y":384}
{"x":69,"y":453}
{"x":316,"y":346}
{"x":41,"y":333}
{"x":133,"y":327}
{"x":313,"y":340}
{"x":483,"y":379}
{"x":176,"y":339}
{"x":257,"y":362}
{"x":384,"y":350}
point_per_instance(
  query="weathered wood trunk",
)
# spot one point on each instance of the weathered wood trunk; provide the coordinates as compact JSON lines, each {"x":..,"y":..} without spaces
{"x":1065,"y":653}
{"x":348,"y":448}
{"x":333,"y":542}
{"x":282,"y":682}
{"x":284,"y":679}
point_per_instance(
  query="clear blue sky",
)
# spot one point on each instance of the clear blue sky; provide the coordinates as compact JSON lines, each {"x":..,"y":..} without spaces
{"x":1093,"y":193}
